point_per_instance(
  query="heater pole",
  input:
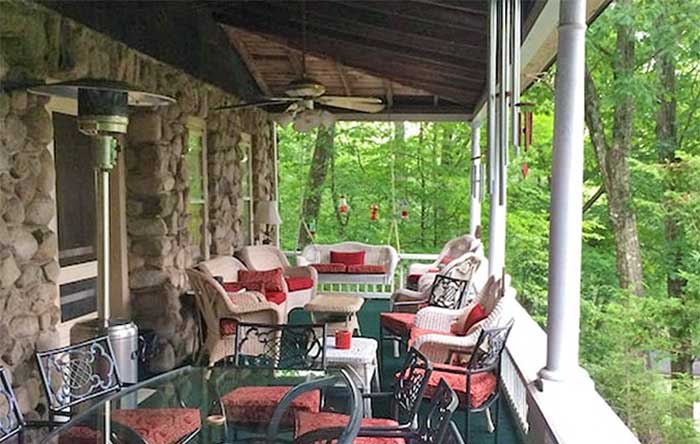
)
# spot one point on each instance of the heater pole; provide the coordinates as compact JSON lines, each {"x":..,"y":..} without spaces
{"x":103,"y":164}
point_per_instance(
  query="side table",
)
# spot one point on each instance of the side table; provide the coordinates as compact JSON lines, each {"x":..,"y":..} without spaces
{"x":338,"y":310}
{"x":362,"y":357}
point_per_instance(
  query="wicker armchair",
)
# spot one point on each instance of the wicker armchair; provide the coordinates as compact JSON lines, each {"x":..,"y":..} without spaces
{"x":453,"y":250}
{"x":496,"y":298}
{"x":469,"y":267}
{"x":217,"y":307}
{"x":300,"y":281}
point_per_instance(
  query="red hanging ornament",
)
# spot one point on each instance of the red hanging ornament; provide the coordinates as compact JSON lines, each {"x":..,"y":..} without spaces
{"x":343,"y":205}
{"x":524,"y":169}
{"x":373,"y":212}
{"x":404,"y":209}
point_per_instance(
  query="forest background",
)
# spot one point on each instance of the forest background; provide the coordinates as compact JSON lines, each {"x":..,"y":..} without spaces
{"x":641,"y":235}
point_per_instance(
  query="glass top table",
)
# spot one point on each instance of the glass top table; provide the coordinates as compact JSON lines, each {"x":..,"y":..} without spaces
{"x":131,"y":415}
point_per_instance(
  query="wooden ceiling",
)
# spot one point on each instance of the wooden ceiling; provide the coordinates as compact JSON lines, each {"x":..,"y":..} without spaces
{"x":422,"y":56}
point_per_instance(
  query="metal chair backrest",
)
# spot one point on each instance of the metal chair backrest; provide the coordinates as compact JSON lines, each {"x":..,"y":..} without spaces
{"x":411,"y":384}
{"x":74,"y":374}
{"x":435,"y":426}
{"x":11,"y":421}
{"x":283,"y":346}
{"x":489,"y":348}
{"x":447,"y":292}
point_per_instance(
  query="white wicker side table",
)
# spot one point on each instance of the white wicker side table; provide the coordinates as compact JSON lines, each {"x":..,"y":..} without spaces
{"x":362,"y":357}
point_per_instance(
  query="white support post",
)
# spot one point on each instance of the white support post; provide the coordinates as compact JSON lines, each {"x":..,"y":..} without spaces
{"x":477,"y":180}
{"x":567,"y":197}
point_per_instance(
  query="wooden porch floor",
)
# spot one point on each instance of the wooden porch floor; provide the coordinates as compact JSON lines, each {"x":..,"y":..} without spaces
{"x":369,"y":325}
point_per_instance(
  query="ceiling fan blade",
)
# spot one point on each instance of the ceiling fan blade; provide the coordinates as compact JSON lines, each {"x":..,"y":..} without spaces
{"x":363,"y":104}
{"x":263,"y":102}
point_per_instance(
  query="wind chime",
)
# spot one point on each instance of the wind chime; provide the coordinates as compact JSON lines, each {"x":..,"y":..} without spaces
{"x":374,"y":212}
{"x":404,"y":209}
{"x":525,"y":131}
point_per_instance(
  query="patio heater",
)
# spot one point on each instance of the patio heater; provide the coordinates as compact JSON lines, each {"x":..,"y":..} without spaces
{"x":103,"y":115}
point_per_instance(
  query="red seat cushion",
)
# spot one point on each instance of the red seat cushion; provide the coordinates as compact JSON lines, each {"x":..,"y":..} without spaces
{"x":272,"y":279}
{"x":276,"y":297}
{"x":306,"y":422}
{"x":299,"y":283}
{"x":482,"y":386}
{"x":156,"y":426}
{"x":367,"y":269}
{"x":348,"y":257}
{"x":254,"y":405}
{"x":398,"y":323}
{"x":227,"y":327}
{"x":330,"y":268}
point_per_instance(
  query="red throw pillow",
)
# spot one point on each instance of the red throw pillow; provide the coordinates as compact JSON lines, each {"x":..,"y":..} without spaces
{"x":462,"y":325}
{"x":271,"y":279}
{"x":348,"y":257}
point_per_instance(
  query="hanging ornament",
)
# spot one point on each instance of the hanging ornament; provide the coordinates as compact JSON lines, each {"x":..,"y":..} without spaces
{"x":524,"y":169}
{"x":404,"y":209}
{"x":312,"y":228}
{"x":373,"y":212}
{"x":343,"y":205}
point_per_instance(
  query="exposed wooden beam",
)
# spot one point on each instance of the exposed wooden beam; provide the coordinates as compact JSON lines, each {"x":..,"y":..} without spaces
{"x":417,"y":11}
{"x":343,"y":78}
{"x":248,"y":16}
{"x":296,"y":62}
{"x":248,"y":60}
{"x":172,"y":32}
{"x":389,"y":93}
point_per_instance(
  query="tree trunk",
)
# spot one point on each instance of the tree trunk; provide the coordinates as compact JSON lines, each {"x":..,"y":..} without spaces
{"x":613,"y":163}
{"x":667,"y":143}
{"x":316,"y":179}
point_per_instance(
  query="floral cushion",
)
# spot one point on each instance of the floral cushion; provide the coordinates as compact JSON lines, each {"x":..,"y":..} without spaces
{"x":482,"y":386}
{"x":330,"y":268}
{"x":227,"y":327}
{"x":155,"y":426}
{"x":306,"y":422}
{"x":467,"y":319}
{"x":254,"y":405}
{"x":272,"y":279}
{"x":299,"y":283}
{"x":398,"y":323}
{"x":366,"y":269}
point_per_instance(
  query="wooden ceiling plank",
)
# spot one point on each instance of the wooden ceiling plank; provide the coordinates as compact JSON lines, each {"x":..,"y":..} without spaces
{"x":364,"y":25}
{"x":343,"y":78}
{"x":415,"y":11}
{"x":248,"y":17}
{"x":475,"y":8}
{"x":249,"y":62}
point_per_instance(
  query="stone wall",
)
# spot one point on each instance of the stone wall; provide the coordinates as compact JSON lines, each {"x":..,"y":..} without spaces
{"x":28,"y":247}
{"x":39,"y":44}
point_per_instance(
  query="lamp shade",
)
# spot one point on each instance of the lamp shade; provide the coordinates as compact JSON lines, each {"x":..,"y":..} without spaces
{"x":266,"y":213}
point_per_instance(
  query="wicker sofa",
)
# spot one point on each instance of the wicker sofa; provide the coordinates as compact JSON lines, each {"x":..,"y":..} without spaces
{"x":380,"y":262}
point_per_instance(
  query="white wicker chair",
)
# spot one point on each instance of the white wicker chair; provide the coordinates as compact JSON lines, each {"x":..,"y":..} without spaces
{"x":470,"y":266}
{"x":454,"y":249}
{"x":496,"y":298}
{"x":215,"y":304}
{"x":267,"y":257}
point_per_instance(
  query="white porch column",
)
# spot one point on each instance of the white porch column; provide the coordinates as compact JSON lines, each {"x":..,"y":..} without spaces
{"x":567,"y":197}
{"x":477,"y":180}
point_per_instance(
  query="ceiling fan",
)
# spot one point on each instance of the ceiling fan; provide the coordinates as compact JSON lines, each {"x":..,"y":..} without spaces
{"x":304,"y":93}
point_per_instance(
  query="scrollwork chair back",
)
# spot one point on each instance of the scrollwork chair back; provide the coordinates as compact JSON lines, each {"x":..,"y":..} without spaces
{"x":77,"y":373}
{"x":298,"y":347}
{"x":436,"y":424}
{"x":447,"y":292}
{"x":489,"y":348}
{"x":11,"y":420}
{"x":411,"y":384}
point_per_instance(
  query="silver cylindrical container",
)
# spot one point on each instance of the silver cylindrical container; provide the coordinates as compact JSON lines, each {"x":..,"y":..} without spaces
{"x":124,"y":338}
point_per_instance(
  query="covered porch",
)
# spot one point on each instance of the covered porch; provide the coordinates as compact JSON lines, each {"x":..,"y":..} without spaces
{"x":187,"y":177}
